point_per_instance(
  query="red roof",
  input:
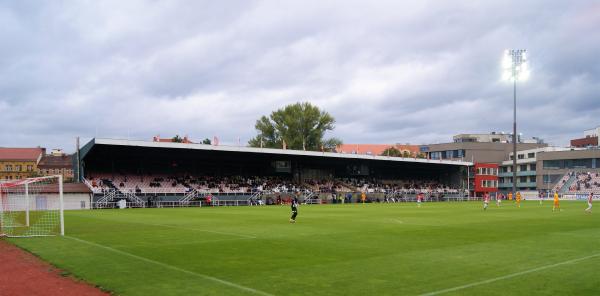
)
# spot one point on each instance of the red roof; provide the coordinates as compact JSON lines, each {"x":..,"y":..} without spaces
{"x":46,"y":188}
{"x":374,"y":149}
{"x":25,"y":154}
{"x":184,"y":140}
{"x":57,"y":162}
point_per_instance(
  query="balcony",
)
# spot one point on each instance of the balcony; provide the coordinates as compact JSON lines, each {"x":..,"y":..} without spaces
{"x":519,"y":184}
{"x":519,"y":174}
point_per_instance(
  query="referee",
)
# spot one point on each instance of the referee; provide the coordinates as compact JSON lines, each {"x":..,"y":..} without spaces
{"x":294,"y":210}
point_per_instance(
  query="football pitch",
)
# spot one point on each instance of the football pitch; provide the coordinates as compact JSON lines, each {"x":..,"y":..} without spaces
{"x":371,"y":249}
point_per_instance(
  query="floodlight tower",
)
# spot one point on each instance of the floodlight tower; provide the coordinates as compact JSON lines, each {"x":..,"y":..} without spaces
{"x":515,"y":68}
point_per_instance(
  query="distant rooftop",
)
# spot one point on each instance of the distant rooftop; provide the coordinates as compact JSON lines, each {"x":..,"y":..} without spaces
{"x":22,"y":154}
{"x":493,"y":137}
{"x":375,"y":149}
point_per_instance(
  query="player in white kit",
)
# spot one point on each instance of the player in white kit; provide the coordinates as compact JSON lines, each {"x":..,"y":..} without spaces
{"x":589,"y":208}
{"x":486,"y":201}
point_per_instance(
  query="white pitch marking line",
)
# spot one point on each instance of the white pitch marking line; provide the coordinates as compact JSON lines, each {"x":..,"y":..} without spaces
{"x":509,"y":275}
{"x":203,"y":230}
{"x":207,"y":277}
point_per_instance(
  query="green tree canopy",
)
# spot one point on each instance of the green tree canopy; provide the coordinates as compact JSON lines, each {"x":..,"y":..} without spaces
{"x":177,"y":139}
{"x":391,"y":151}
{"x":206,"y":141}
{"x":300,"y":125}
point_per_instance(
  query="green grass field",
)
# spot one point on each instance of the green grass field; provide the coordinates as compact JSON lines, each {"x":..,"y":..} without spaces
{"x":372,"y":249}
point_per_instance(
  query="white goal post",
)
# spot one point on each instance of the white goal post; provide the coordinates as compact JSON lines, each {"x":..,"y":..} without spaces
{"x":32,"y":207}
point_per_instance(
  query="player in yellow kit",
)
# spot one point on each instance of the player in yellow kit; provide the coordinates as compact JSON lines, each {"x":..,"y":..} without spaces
{"x":510,"y":196}
{"x":518,"y":199}
{"x":556,"y":205}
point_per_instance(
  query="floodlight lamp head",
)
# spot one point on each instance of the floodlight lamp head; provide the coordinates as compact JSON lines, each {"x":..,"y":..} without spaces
{"x":514,"y":65}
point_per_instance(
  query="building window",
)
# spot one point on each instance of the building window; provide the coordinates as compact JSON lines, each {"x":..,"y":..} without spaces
{"x":29,"y":168}
{"x":8,"y":168}
{"x":532,"y":179}
{"x":18,"y":167}
{"x":531,"y":155}
{"x":569,"y":163}
{"x":520,"y":156}
{"x":523,"y":167}
{"x":532,"y":167}
{"x":523,"y":179}
{"x":489,"y":183}
{"x":487,"y":171}
{"x":553,"y":164}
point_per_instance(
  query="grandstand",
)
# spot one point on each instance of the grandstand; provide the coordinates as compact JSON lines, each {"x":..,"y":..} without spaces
{"x":579,"y":182}
{"x":157,"y":173}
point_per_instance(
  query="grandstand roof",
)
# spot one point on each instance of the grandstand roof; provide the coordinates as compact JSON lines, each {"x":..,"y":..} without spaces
{"x":203,"y":147}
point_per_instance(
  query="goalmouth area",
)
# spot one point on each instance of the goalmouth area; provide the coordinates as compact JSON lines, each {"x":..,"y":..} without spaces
{"x":351,"y":249}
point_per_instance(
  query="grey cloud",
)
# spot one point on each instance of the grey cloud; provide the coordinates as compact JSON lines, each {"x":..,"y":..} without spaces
{"x":389,"y":72}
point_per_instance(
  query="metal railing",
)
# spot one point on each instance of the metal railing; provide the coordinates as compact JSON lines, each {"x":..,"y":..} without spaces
{"x":115,"y":205}
{"x":191,"y":195}
{"x":179,"y":204}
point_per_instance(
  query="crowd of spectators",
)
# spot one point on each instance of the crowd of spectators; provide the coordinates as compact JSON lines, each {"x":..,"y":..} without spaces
{"x":582,"y":182}
{"x":182,"y":184}
{"x":585,"y":182}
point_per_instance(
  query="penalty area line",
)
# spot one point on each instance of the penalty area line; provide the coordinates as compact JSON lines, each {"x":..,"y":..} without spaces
{"x":203,"y":276}
{"x":509,"y":276}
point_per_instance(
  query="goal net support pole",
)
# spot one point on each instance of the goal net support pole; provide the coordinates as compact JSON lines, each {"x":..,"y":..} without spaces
{"x":27,"y":204}
{"x":61,"y":205}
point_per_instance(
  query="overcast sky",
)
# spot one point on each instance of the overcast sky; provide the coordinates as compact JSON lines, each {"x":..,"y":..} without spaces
{"x":388,"y":71}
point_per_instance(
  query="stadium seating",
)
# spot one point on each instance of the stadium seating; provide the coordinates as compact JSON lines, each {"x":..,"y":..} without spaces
{"x":232,"y":185}
{"x":579,"y":182}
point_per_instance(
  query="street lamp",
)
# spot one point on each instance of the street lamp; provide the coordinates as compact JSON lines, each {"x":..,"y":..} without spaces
{"x":514,"y":66}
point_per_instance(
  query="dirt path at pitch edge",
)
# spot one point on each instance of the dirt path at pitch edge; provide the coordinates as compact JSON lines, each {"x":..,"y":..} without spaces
{"x":22,"y":273}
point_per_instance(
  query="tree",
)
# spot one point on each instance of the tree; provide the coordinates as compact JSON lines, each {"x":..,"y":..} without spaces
{"x":391,"y":151}
{"x":300,"y":126}
{"x":421,"y":155}
{"x":330,"y":145}
{"x":206,"y":141}
{"x":405,"y":154}
{"x":177,"y":139}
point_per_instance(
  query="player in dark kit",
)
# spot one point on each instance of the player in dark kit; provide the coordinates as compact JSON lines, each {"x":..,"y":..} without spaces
{"x":294,"y":210}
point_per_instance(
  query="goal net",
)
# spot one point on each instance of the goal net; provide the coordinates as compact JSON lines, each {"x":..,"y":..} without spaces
{"x":32,"y":207}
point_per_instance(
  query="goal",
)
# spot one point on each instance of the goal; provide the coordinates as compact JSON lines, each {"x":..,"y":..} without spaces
{"x":32,"y":207}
